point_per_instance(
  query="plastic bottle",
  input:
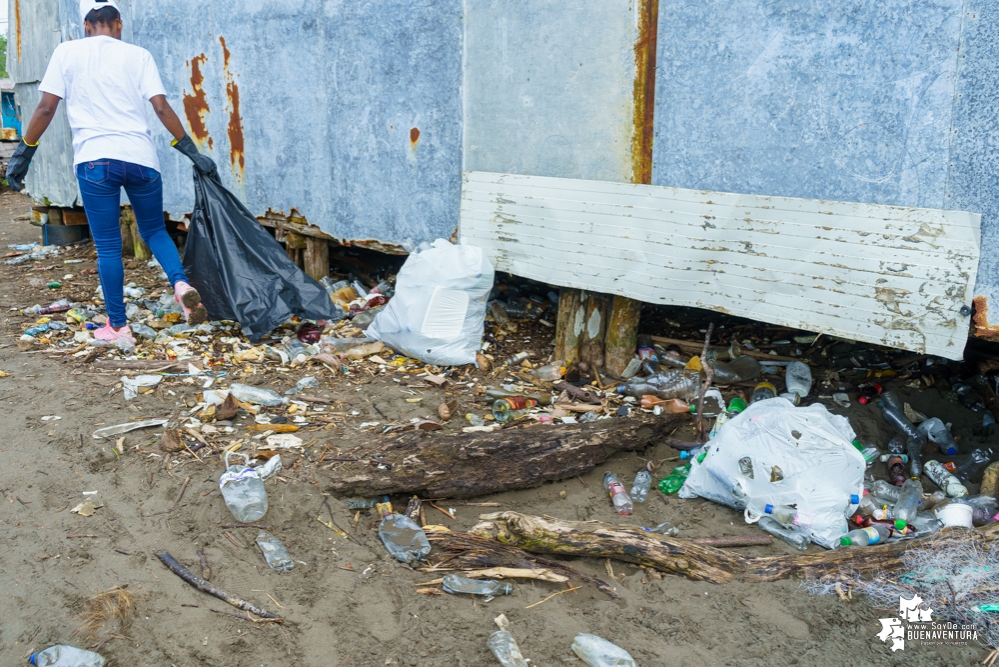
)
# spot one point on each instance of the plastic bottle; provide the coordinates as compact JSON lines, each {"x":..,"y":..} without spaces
{"x":798,"y":378}
{"x":516,"y":359}
{"x":976,"y":462}
{"x":598,"y":652}
{"x":869,"y":452}
{"x":620,"y":498}
{"x":675,"y":481}
{"x":869,"y":506}
{"x":907,"y":504}
{"x":796,"y":539}
{"x":863,"y":537}
{"x":788,"y":516}
{"x":869,"y":393}
{"x":885,"y":491}
{"x":666,"y":528}
{"x":936,"y":430}
{"x":741,"y":369}
{"x":640,"y":488}
{"x":298,"y":353}
{"x":144,"y":330}
{"x":275,"y":553}
{"x":401,"y":536}
{"x":243,"y":490}
{"x":36,"y":331}
{"x":552,"y":372}
{"x":926,"y":523}
{"x":689,"y":454}
{"x":66,"y":656}
{"x":542,"y":399}
{"x":455,"y":583}
{"x":947,"y":482}
{"x":896,"y":469}
{"x":970,"y":398}
{"x":60,"y":306}
{"x":498,"y":313}
{"x":256,"y":395}
{"x":507,"y":409}
{"x":763,"y":391}
{"x":891,"y":410}
{"x":746,"y":467}
{"x":933,"y":499}
{"x":666,"y":384}
{"x":505,"y":648}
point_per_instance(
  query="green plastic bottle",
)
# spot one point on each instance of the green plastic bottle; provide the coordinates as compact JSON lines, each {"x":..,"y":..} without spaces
{"x":672,"y":484}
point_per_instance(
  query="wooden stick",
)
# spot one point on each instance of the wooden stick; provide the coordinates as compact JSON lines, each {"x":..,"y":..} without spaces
{"x":183,"y":488}
{"x":709,"y":375}
{"x":232,"y":538}
{"x":244,"y":525}
{"x":553,"y":595}
{"x":206,"y":572}
{"x":73,"y":537}
{"x":205,"y":587}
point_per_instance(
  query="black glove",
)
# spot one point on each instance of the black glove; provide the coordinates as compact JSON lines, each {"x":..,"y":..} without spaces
{"x":202,"y":163}
{"x":17,"y":167}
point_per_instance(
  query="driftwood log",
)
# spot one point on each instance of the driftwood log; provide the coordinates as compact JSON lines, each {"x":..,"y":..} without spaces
{"x":474,"y":464}
{"x":694,"y":561}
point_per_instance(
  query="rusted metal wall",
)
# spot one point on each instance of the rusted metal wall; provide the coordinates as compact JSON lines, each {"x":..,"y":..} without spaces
{"x":349,"y":113}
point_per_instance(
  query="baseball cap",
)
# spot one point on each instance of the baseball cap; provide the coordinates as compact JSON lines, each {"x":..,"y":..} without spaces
{"x":86,"y":6}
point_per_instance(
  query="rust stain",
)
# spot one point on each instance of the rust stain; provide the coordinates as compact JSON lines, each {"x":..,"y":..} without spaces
{"x":236,"y":141}
{"x":17,"y":26}
{"x":644,"y":91}
{"x":196,"y":103}
{"x":414,"y":136}
{"x":981,"y":318}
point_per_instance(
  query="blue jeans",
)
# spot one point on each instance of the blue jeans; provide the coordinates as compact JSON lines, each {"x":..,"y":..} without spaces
{"x":100,"y":184}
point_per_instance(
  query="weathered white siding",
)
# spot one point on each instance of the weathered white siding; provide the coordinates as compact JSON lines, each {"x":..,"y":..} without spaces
{"x":883,"y":274}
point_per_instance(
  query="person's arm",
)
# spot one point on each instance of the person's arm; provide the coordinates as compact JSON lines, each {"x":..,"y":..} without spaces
{"x":41,"y":119}
{"x":168,"y":116}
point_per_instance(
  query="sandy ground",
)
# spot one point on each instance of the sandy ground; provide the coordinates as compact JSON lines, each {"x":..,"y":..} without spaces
{"x":345,"y":604}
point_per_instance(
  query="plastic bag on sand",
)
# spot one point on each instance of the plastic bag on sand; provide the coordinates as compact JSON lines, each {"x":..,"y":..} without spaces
{"x":438,"y":312}
{"x":819,"y":468}
{"x":241,"y":272}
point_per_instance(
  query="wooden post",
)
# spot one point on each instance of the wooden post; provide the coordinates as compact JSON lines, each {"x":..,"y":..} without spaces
{"x":124,"y":224}
{"x":294,"y":244}
{"x":622,"y":333}
{"x":566,"y":332}
{"x":317,"y":257}
{"x":591,"y":342}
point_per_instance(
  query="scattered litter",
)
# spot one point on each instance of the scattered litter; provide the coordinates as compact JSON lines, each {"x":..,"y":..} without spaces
{"x":598,"y":652}
{"x":110,"y":431}
{"x":275,"y":553}
{"x":132,"y":387}
{"x":86,"y":509}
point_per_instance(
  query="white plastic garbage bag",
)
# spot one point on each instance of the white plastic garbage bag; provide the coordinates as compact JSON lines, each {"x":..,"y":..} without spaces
{"x":438,"y":312}
{"x":819,"y":468}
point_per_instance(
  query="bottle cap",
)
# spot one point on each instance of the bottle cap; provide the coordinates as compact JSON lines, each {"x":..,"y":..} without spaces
{"x":684,"y":455}
{"x":854,"y":499}
{"x":737,"y":404}
{"x":845,"y":541}
{"x":900,"y":525}
{"x":769,"y":509}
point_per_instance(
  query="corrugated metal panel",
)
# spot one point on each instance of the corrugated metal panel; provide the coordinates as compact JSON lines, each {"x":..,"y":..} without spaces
{"x":549,"y":87}
{"x":881,"y":274}
{"x":349,"y":113}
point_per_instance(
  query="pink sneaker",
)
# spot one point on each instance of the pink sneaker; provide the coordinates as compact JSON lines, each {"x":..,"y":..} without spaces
{"x":190,"y":302}
{"x":108,"y":334}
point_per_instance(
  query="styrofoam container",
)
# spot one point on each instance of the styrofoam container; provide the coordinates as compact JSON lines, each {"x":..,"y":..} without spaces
{"x":956,"y":515}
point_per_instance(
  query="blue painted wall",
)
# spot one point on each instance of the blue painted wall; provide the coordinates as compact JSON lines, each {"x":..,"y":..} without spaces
{"x":848,"y":100}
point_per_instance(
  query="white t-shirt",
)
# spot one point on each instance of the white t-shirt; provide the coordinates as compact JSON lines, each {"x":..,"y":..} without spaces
{"x":107,"y":85}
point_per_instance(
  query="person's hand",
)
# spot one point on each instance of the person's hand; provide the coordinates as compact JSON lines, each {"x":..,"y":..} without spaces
{"x":204,"y":164}
{"x":17,"y":167}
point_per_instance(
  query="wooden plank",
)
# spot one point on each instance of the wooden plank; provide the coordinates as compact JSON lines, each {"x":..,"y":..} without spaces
{"x":621,"y":338}
{"x":889,"y":275}
{"x":566,"y":333}
{"x":317,"y":257}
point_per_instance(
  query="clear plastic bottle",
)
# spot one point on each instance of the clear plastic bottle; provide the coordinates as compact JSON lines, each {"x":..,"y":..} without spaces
{"x":947,"y":482}
{"x":405,"y":540}
{"x":256,"y":395}
{"x":275,"y":553}
{"x":763,"y":391}
{"x":66,"y":656}
{"x":863,"y":537}
{"x":869,"y":452}
{"x":507,"y":409}
{"x":505,"y":648}
{"x":891,"y":410}
{"x":907,"y":504}
{"x":869,"y":506}
{"x":798,"y":378}
{"x":298,"y":353}
{"x":976,"y":462}
{"x":925,"y":523}
{"x":884,"y":490}
{"x":666,"y":384}
{"x":552,"y":372}
{"x":622,"y":502}
{"x":691,"y":454}
{"x":666,"y":528}
{"x":789,"y":516}
{"x":640,"y":488}
{"x":936,"y":431}
{"x":243,"y":490}
{"x":793,"y":537}
{"x":598,"y":652}
{"x":741,"y":369}
{"x":455,"y":584}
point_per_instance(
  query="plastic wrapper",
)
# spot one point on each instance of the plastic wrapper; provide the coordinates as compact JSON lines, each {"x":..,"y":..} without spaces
{"x":241,"y":271}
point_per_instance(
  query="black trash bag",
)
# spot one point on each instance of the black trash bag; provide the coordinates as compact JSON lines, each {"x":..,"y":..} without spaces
{"x":241,"y":271}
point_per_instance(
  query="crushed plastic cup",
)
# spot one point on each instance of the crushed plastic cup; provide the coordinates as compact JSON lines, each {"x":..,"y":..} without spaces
{"x":598,"y":652}
{"x":274,"y":553}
